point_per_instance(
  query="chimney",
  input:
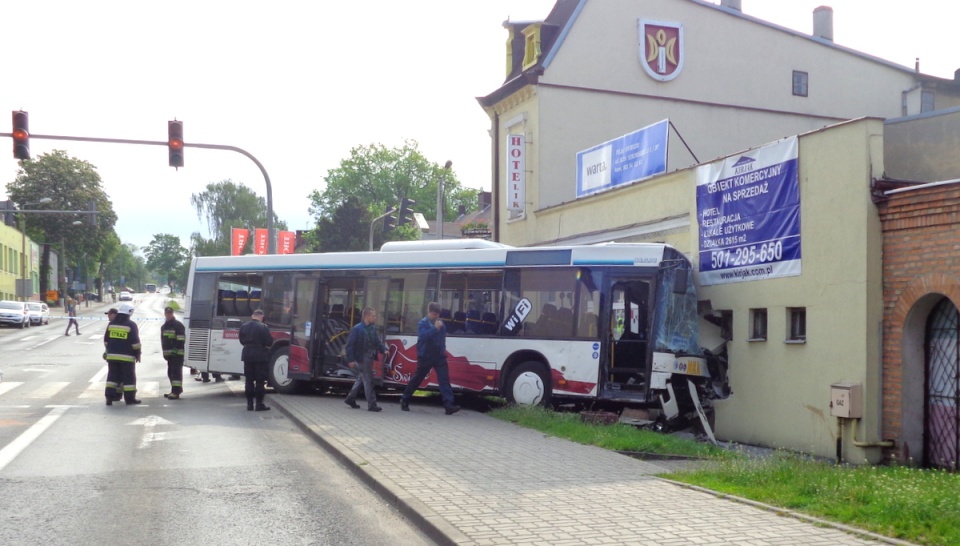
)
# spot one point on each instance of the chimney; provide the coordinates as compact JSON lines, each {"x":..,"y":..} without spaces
{"x":732,"y":4}
{"x":484,"y":198}
{"x":823,"y":23}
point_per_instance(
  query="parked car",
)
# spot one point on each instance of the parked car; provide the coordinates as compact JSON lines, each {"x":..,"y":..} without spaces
{"x":14,"y":313}
{"x":126,"y":296}
{"x":38,"y":312}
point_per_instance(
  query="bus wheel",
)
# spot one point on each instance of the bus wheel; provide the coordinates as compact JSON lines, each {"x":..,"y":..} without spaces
{"x":528,"y":385}
{"x":279,"y":379}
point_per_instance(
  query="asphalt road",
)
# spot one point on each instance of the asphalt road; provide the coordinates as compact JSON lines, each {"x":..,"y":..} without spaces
{"x":201,"y":470}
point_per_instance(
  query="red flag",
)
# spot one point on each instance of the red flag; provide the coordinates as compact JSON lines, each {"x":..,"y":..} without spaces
{"x":260,"y":244}
{"x":286,"y":242}
{"x":239,"y":240}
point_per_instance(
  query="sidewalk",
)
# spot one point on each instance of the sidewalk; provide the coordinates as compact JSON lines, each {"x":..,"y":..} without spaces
{"x":471,"y":479}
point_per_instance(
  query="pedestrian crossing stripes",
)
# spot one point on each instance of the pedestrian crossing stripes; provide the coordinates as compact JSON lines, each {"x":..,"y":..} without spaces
{"x":15,"y":391}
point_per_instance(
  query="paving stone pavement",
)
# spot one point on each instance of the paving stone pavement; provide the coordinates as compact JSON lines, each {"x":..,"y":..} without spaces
{"x":470,"y":479}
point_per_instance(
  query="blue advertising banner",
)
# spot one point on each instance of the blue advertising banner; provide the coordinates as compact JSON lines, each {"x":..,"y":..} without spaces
{"x":632,"y":157}
{"x":748,"y":208}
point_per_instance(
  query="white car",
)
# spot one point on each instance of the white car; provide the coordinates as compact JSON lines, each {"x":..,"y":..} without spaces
{"x":125,"y":296}
{"x":38,"y":312}
{"x":14,"y":313}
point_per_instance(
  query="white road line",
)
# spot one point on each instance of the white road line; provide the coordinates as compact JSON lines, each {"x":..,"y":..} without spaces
{"x":14,"y":448}
{"x":48,"y":390}
{"x":9,"y":386}
{"x":100,"y":376}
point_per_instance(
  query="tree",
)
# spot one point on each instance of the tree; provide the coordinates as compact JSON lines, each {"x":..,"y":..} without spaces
{"x":226,"y":205}
{"x":70,"y":184}
{"x":376,"y":178}
{"x":347,"y":229}
{"x":165,"y":256}
{"x":126,"y":267}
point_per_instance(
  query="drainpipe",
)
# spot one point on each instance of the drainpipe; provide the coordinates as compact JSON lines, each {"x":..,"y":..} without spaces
{"x":881,"y":443}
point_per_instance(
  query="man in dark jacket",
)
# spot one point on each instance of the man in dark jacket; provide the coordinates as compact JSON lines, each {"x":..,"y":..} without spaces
{"x":122,"y":340}
{"x":363,"y":344}
{"x":256,"y":340}
{"x":172,"y":338}
{"x":431,"y":353}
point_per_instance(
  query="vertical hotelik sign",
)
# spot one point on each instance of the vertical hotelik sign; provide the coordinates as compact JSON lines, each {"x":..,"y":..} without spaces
{"x":260,"y":237}
{"x":238,"y":240}
{"x":515,"y":172}
{"x":748,"y":210}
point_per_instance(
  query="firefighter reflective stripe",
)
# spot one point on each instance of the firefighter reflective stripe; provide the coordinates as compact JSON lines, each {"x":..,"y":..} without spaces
{"x":121,"y":357}
{"x":173,"y":338}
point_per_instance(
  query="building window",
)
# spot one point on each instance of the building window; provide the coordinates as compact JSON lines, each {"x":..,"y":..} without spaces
{"x":531,"y":49}
{"x":800,"y":83}
{"x":926,"y":101}
{"x":797,"y":319}
{"x":758,"y":325}
{"x":726,"y":325}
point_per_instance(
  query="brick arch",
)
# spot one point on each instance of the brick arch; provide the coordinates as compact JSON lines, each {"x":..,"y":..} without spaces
{"x":932,"y":283}
{"x":904,"y":364}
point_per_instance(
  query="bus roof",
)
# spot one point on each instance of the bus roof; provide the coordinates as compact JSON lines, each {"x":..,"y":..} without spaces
{"x":397,"y":257}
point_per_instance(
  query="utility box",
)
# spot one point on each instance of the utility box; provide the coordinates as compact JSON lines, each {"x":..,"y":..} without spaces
{"x":846,"y":400}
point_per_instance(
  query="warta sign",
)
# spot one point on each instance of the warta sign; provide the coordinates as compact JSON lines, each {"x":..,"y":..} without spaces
{"x":661,"y":49}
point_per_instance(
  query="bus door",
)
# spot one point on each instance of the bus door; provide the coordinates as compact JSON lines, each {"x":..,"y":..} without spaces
{"x":307,"y":337}
{"x":627,"y":335}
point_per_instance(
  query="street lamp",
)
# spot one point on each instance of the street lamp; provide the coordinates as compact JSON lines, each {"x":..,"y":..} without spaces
{"x":446,"y":170}
{"x":23,"y":243}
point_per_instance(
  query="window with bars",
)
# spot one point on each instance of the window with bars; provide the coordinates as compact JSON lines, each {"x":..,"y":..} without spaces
{"x":758,"y":325}
{"x":797,"y":321}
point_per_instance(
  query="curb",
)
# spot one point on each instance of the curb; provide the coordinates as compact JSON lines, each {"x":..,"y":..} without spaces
{"x":421,"y":515}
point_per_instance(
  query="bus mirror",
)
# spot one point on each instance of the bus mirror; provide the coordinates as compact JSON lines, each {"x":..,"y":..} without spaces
{"x":680,"y":280}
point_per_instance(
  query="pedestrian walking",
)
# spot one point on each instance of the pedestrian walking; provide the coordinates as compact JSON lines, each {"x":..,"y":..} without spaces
{"x":122,"y":340}
{"x":363,"y":344}
{"x":172,"y":338}
{"x":431,"y":353}
{"x":256,"y":340}
{"x":72,"y":313}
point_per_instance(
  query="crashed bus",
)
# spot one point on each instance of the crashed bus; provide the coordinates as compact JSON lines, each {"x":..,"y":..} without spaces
{"x":607,"y":323}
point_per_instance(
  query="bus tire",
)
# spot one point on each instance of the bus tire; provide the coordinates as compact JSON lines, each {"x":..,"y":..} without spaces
{"x":278,"y":376}
{"x":528,"y":385}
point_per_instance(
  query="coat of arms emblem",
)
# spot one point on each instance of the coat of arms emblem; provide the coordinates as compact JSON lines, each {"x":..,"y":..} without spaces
{"x":661,"y":49}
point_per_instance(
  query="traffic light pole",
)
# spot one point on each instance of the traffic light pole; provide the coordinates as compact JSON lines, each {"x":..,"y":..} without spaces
{"x":374,"y":222}
{"x":271,"y":239}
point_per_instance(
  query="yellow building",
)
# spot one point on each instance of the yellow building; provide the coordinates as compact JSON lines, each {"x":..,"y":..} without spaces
{"x":596,"y":74}
{"x":11,"y":260}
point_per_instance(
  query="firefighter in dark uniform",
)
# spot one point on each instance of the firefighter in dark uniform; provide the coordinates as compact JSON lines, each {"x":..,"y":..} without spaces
{"x":172,"y":338}
{"x":122,"y":340}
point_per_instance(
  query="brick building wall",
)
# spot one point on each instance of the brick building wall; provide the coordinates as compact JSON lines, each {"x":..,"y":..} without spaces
{"x":921,"y":265}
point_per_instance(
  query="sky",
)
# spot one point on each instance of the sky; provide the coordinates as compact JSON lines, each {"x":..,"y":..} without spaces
{"x":299,"y":84}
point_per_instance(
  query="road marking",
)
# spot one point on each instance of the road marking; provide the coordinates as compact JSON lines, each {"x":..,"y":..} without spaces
{"x":145,"y":389}
{"x":48,"y":390}
{"x":100,"y":376}
{"x":14,"y":448}
{"x":148,"y":423}
{"x":44,"y":371}
{"x":9,"y":386}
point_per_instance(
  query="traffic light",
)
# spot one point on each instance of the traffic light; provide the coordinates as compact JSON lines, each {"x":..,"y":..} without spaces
{"x":175,"y":143}
{"x":21,"y":135}
{"x":389,"y":221}
{"x":92,"y":217}
{"x":406,"y":211}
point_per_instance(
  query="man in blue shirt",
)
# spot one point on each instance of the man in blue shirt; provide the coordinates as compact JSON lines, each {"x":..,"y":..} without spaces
{"x":363,"y":344}
{"x":431,"y":353}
